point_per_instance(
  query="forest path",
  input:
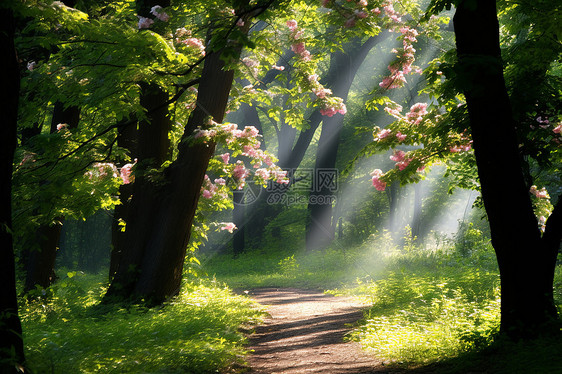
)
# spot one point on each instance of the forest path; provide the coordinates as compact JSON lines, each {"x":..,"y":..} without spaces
{"x":305,"y":334}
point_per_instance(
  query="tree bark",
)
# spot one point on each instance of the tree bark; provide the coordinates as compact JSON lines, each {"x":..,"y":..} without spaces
{"x":343,"y":68}
{"x":526,"y":260}
{"x":11,"y":342}
{"x":162,"y":213}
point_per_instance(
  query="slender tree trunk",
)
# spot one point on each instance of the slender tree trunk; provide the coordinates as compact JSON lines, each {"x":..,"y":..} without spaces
{"x":162,"y":214}
{"x":11,"y":342}
{"x":526,"y":260}
{"x":343,"y":68}
{"x":238,"y":218}
{"x":416,"y":218}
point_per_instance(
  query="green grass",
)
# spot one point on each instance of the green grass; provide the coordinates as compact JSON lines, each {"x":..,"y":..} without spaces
{"x":429,"y":305}
{"x":196,"y":333}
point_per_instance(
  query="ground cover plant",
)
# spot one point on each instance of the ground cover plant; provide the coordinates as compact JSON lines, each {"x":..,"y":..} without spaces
{"x":198,"y":332}
{"x":429,"y":304}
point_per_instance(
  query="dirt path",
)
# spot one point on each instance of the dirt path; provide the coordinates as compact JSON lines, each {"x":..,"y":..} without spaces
{"x":305,"y":334}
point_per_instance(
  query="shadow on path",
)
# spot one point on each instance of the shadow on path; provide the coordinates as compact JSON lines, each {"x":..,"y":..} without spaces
{"x":306,"y":334}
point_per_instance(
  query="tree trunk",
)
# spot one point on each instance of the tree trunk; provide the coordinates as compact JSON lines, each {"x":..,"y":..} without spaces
{"x":150,"y":146}
{"x":343,"y":67}
{"x":11,"y":342}
{"x":127,"y":138}
{"x":161,"y":215}
{"x":40,"y":261}
{"x":526,"y":261}
{"x":238,"y":218}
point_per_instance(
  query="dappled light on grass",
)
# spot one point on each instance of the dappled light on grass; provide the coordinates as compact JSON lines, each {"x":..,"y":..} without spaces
{"x":417,"y":319}
{"x":196,"y":333}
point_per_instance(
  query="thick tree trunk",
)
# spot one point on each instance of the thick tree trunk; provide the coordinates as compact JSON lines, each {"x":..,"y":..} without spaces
{"x":526,"y":261}
{"x":11,"y":343}
{"x":162,"y":214}
{"x":150,"y":145}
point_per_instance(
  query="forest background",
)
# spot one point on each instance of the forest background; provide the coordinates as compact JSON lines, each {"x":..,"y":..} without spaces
{"x":121,"y":157}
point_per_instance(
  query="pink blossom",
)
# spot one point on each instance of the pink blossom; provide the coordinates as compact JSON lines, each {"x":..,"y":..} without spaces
{"x":228,"y":226}
{"x":263,"y":173}
{"x":540,"y":194}
{"x":240,"y":172}
{"x":250,"y":132}
{"x":322,"y":92}
{"x":280,"y":68}
{"x":298,"y":48}
{"x":383,"y":134}
{"x":557,"y":129}
{"x":126,"y":171}
{"x":292,"y":24}
{"x":403,"y":164}
{"x":281,"y":176}
{"x":220,"y":181}
{"x":157,"y":12}
{"x":250,"y":62}
{"x":328,"y":112}
{"x":61,"y":126}
{"x":377,"y":11}
{"x":455,"y":149}
{"x":398,"y":156}
{"x":362,"y":2}
{"x":225,"y":157}
{"x":240,"y":22}
{"x":401,"y":136}
{"x":31,"y":65}
{"x":377,"y":183}
{"x":207,"y":194}
{"x":144,"y":23}
{"x":195,"y":43}
{"x":417,"y":111}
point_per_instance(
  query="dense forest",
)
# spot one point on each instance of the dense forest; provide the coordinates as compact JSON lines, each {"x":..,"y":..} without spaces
{"x":159,"y":156}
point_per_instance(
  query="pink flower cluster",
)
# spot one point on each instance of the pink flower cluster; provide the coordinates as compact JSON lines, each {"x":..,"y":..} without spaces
{"x":539,"y":194}
{"x":100,"y":170}
{"x":126,"y":173}
{"x":228,"y":226}
{"x":329,"y":105}
{"x":558,"y":129}
{"x":157,"y":12}
{"x":377,"y":183}
{"x":400,"y":158}
{"x":461,"y":148}
{"x":416,"y":114}
{"x":144,"y":23}
{"x":405,"y":56}
{"x":246,"y":142}
{"x":331,"y":109}
{"x":382,"y":134}
{"x":195,"y":43}
{"x":297,"y":45}
{"x":210,"y":189}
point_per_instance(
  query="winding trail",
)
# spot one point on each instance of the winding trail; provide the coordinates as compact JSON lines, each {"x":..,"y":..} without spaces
{"x":305,"y":334}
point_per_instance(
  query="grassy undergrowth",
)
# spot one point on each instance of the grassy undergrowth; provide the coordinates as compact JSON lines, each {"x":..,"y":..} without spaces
{"x":429,"y":305}
{"x":197,"y":333}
